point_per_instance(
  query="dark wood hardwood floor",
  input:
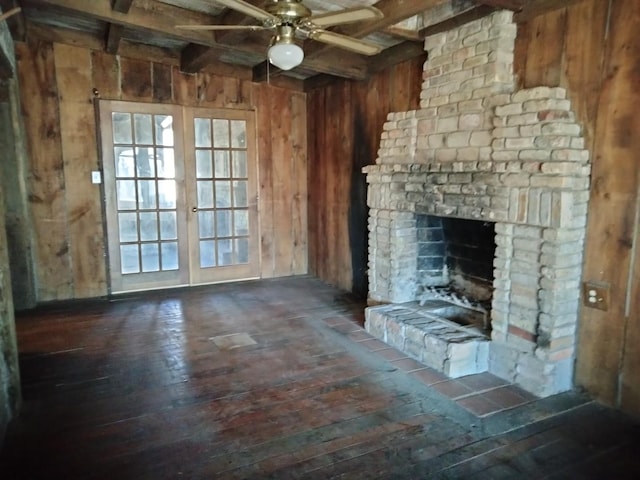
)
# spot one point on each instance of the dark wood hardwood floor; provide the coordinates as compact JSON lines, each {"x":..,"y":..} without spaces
{"x":277,"y":379}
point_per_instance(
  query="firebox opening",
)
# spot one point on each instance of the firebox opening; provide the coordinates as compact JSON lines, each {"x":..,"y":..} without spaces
{"x":455,"y":264}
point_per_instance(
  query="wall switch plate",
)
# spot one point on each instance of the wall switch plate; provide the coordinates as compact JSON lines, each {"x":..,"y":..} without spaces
{"x":96,"y":177}
{"x":596,"y":295}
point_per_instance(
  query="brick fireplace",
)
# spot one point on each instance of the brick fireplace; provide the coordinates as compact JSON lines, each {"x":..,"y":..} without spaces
{"x":478,"y":149}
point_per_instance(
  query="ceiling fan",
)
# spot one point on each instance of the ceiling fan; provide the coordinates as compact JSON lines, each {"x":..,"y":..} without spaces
{"x":290,"y":18}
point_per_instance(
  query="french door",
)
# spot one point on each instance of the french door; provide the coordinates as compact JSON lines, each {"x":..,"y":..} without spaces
{"x":180,"y":195}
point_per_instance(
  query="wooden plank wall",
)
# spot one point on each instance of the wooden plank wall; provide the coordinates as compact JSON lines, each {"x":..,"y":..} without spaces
{"x":58,"y":83}
{"x":592,"y":48}
{"x":344,"y":125}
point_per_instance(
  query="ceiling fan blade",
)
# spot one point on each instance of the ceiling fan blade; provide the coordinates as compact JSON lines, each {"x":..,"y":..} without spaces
{"x":10,"y":13}
{"x":342,"y":41}
{"x":220,"y":27}
{"x":250,"y":10}
{"x":348,"y":15}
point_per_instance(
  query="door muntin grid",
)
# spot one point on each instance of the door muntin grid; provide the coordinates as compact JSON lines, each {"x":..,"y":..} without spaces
{"x":145,"y":179}
{"x":221,"y":191}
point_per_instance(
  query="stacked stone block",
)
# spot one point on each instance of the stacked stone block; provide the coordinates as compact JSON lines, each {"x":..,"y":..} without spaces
{"x":438,"y":343}
{"x":431,"y":252}
{"x":476,"y":149}
{"x":392,"y":261}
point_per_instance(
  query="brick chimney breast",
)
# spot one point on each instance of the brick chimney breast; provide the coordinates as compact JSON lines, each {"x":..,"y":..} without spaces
{"x":478,"y":149}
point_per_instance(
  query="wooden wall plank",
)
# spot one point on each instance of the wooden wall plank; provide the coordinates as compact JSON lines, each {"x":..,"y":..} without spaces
{"x":342,"y":200}
{"x":282,"y":181}
{"x":262,"y":98}
{"x":331,"y":150}
{"x":105,"y":70}
{"x":161,"y":83}
{"x":209,"y":90}
{"x":544,"y":65}
{"x":612,"y":216}
{"x":584,"y":61}
{"x":69,"y":223}
{"x":80,"y":155}
{"x":299,"y":184}
{"x":136,"y":82}
{"x":315,"y":179}
{"x":344,"y":134}
{"x":595,"y":47}
{"x":46,"y":181}
{"x":184,"y":88}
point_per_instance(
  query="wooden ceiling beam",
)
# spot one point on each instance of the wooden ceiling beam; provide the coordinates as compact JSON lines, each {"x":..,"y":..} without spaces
{"x":535,"y":8}
{"x":396,"y":54}
{"x":161,"y":19}
{"x":138,"y":51}
{"x":121,"y":6}
{"x":457,"y":21}
{"x":194,"y":57}
{"x":527,"y":9}
{"x":114,"y":35}
{"x":395,"y":11}
{"x":130,"y":50}
{"x":404,"y":34}
{"x":514,"y":5}
{"x":115,"y":31}
{"x":146,"y":15}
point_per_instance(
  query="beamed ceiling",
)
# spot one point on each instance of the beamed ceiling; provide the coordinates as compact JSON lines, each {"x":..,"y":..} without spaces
{"x":147,"y":29}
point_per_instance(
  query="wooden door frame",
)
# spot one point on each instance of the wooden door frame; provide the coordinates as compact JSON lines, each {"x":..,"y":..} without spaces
{"x":181,"y":115}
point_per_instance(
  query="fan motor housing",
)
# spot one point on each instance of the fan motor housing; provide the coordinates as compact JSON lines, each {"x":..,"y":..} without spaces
{"x":290,"y":11}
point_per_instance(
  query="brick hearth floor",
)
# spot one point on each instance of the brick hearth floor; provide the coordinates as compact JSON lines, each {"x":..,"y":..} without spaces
{"x":277,"y":379}
{"x":481,"y":394}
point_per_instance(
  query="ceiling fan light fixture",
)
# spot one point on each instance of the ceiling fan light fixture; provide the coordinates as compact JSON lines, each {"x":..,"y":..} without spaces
{"x":285,"y":56}
{"x":284,"y":53}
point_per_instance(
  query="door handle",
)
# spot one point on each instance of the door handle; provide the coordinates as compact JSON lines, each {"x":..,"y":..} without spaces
{"x":194,"y":209}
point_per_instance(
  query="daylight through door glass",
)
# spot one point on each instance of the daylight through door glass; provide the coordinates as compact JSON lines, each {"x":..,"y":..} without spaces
{"x":222,"y":191}
{"x":145,"y":179}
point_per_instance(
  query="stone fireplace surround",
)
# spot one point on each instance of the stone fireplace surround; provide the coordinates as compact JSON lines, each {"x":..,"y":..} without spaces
{"x":479,"y":149}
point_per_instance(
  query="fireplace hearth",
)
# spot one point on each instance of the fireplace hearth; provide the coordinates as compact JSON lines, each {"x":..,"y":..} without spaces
{"x":512,"y":161}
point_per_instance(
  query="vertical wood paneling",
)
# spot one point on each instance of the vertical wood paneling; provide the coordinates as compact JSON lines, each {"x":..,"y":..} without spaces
{"x":161,"y":76}
{"x":184,"y":87}
{"x":210,"y":90}
{"x":612,"y":220}
{"x":299,"y":184}
{"x":136,"y":83}
{"x":595,"y":46}
{"x":345,"y":122}
{"x":282,"y":182}
{"x":105,"y":69}
{"x":315,"y":177}
{"x":331,"y":155}
{"x":47,"y":184}
{"x":346,"y":164}
{"x":584,"y":58}
{"x":544,"y":65}
{"x":80,"y":155}
{"x":265,"y":172}
{"x":68,"y":221}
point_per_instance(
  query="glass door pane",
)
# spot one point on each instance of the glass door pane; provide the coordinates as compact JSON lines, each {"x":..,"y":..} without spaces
{"x":144,"y":186}
{"x":222,"y":182}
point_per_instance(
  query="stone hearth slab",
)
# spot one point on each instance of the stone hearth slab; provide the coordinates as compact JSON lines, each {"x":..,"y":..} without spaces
{"x":441,"y":344}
